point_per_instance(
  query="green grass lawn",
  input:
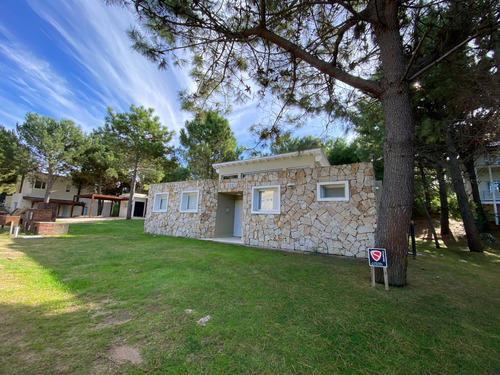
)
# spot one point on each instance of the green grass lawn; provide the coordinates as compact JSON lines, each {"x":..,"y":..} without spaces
{"x":109,"y":299}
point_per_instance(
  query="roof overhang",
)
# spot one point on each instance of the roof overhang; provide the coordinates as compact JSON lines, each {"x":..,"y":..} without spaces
{"x":319,"y":157}
{"x":101,"y":197}
{"x":57,"y":201}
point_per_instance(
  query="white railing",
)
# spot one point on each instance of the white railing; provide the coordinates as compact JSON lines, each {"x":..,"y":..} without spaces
{"x":487,"y":196}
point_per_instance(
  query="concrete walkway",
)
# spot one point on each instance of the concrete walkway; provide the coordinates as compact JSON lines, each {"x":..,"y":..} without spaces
{"x":86,"y":219}
{"x":233,"y":240}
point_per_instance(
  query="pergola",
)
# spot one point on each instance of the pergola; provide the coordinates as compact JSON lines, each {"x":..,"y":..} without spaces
{"x":66,"y":202}
{"x":99,"y":198}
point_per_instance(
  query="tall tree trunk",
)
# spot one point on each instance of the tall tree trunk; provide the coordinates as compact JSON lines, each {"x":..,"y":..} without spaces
{"x":443,"y":200}
{"x":425,"y":185}
{"x":49,"y":186}
{"x":471,"y":232}
{"x":100,"y":204}
{"x":397,"y":194}
{"x":79,"y":191}
{"x":471,"y":172}
{"x":132,"y":190}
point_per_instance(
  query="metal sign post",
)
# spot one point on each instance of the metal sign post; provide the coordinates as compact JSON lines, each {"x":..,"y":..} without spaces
{"x":378,"y":258}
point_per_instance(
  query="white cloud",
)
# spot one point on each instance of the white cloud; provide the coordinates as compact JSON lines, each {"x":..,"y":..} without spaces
{"x":96,"y":68}
{"x":94,"y":35}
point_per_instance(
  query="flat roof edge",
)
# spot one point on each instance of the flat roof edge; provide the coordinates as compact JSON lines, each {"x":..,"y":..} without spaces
{"x":317,"y":152}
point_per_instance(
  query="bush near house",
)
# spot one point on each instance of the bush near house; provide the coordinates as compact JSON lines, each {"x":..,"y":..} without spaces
{"x":107,"y":298}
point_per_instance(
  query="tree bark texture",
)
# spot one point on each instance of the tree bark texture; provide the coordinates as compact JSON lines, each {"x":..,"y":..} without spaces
{"x":443,"y":200}
{"x":397,"y":194}
{"x":471,"y":232}
{"x":100,"y":204}
{"x":132,"y":191}
{"x":471,"y":172}
{"x":425,"y":186}
{"x":49,"y":186}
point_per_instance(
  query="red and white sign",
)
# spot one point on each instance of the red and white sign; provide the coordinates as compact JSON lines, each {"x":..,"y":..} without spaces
{"x":376,"y":255}
{"x":377,"y":258}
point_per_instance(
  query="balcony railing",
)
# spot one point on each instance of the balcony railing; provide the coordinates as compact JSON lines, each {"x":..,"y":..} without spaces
{"x":487,"y":196}
{"x":493,"y":158}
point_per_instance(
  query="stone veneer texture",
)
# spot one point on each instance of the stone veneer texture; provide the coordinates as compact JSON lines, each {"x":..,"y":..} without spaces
{"x":305,"y":224}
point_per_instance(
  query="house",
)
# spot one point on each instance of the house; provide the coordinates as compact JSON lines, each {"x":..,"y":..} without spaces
{"x":293,"y":201}
{"x":31,"y":190}
{"x":488,"y":177}
{"x":67,"y":199}
{"x":138,"y":208}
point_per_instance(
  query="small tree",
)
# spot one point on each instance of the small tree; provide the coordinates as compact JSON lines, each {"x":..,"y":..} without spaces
{"x":173,"y":170}
{"x":342,"y":152}
{"x":137,"y":136}
{"x":368,"y":122}
{"x":288,"y":144}
{"x":98,"y":166}
{"x":53,"y":145}
{"x":208,"y":139}
{"x":14,"y":160}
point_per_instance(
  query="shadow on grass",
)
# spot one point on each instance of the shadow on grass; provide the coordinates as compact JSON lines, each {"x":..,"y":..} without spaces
{"x":270,"y":312}
{"x":35,"y":340}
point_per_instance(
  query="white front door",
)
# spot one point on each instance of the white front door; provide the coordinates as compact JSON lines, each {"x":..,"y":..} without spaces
{"x":238,"y":215}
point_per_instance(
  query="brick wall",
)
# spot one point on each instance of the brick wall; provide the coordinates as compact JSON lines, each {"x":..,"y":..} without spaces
{"x":32,"y":214}
{"x":49,"y":228}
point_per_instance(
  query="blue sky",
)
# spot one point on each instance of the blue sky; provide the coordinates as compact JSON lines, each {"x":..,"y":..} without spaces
{"x":72,"y":59}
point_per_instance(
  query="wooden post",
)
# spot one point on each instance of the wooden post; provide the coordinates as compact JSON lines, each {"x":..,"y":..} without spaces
{"x":72,"y":207}
{"x":111,"y":209}
{"x":91,"y":205}
{"x":377,"y":258}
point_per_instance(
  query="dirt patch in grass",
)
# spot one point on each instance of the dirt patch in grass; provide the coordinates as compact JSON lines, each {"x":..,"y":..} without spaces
{"x":114,"y":320}
{"x":9,"y":254}
{"x":423,"y":230}
{"x":101,"y":366}
{"x":125,"y":354}
{"x":29,"y":356}
{"x":101,"y":308}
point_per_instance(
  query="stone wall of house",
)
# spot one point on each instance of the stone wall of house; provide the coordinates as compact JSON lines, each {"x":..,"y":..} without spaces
{"x":200,"y":224}
{"x":304,"y":224}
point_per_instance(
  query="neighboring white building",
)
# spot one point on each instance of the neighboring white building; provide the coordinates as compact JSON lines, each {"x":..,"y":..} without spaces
{"x":488,"y":177}
{"x":31,"y":191}
{"x":139,"y":205}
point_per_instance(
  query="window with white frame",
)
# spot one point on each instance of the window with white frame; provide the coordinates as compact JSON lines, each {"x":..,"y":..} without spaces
{"x":68,"y":188}
{"x":37,"y":184}
{"x":189,"y":201}
{"x":266,"y":200}
{"x":160,"y":203}
{"x":333,"y":191}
